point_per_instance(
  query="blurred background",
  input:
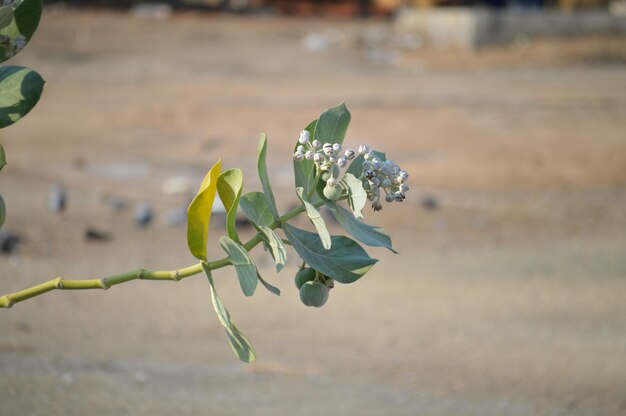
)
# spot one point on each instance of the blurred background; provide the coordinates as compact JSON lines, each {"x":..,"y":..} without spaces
{"x":508,"y":297}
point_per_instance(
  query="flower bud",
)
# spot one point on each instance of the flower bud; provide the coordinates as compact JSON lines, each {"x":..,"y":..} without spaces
{"x":300,"y":149}
{"x":342,"y":161}
{"x":328,"y":149}
{"x":377,"y":206}
{"x":304,"y":137}
{"x":316,"y":144}
{"x":349,"y":154}
{"x":308,"y":155}
{"x":403,"y":175}
{"x":336,"y":148}
{"x":331,"y":181}
{"x":298,"y":156}
{"x":374,"y":182}
{"x":368,"y":155}
{"x":386,"y":183}
{"x":375,"y":164}
{"x":363,"y":149}
{"x":389,"y":198}
{"x":332,"y":159}
{"x":399,"y":196}
{"x":318,"y":157}
{"x":404,"y":187}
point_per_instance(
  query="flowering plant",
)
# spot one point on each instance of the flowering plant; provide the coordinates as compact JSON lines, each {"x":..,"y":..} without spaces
{"x":319,"y":181}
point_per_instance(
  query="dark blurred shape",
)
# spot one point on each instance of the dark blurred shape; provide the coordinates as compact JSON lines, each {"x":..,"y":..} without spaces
{"x":57,"y":199}
{"x":93,"y":234}
{"x":430,"y":202}
{"x":242,"y":222}
{"x":143,"y":215}
{"x":9,"y":242}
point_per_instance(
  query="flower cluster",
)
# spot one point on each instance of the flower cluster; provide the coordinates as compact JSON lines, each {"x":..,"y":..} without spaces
{"x":376,"y":173}
{"x":385,"y":174}
{"x":12,"y":45}
{"x":327,"y":157}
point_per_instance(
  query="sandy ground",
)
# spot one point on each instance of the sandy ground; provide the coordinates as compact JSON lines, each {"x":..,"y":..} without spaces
{"x":507,"y":299}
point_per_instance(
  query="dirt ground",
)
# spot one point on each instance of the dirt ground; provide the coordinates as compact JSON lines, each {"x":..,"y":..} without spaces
{"x":508,"y":297}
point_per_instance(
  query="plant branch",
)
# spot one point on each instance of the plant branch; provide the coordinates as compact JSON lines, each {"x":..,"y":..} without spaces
{"x":60,"y":283}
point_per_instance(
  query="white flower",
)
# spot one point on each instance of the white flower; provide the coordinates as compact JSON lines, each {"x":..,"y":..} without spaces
{"x":364,"y":149}
{"x":304,"y":137}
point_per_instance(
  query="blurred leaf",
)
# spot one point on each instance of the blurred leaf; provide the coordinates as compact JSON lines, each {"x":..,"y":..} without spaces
{"x":304,"y":170}
{"x":268,"y":286}
{"x":26,"y":16}
{"x":365,"y":233}
{"x":254,"y":205}
{"x":277,"y":247}
{"x":346,"y":262}
{"x":332,"y":124}
{"x":356,"y":194}
{"x":20,"y":89}
{"x":3,"y":159}
{"x":239,"y":343}
{"x":229,"y":185}
{"x":265,"y":180}
{"x":316,"y":219}
{"x":199,"y":213}
{"x":3,"y":211}
{"x":246,"y":270}
{"x":6,"y":16}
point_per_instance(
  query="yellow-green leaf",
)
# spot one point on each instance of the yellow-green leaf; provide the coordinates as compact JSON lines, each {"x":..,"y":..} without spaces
{"x":199,"y":213}
{"x":229,"y":185}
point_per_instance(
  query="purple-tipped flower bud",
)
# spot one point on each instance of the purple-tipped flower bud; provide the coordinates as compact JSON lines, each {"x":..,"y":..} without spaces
{"x":304,"y":137}
{"x":308,"y":155}
{"x":374,"y":182}
{"x":403,"y":175}
{"x":298,"y":156}
{"x":386,"y":183}
{"x":328,"y":149}
{"x":342,"y":161}
{"x":336,"y":148}
{"x":318,"y":157}
{"x":349,"y":154}
{"x":316,"y":144}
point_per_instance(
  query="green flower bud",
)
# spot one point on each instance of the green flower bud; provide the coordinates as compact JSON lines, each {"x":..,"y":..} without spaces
{"x":314,"y":294}
{"x":303,"y":276}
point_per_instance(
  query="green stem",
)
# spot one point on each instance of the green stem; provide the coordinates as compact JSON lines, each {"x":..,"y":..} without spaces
{"x":6,"y":301}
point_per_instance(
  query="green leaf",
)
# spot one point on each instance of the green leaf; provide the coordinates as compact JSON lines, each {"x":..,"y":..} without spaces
{"x":316,"y":219}
{"x":6,"y":16}
{"x":277,"y":247}
{"x":332,"y":124}
{"x":365,"y":233}
{"x":357,"y":197}
{"x":3,"y":158}
{"x":265,"y":180}
{"x":239,"y":343}
{"x":229,"y":186}
{"x":268,"y":286}
{"x":3,"y":211}
{"x":26,"y":16}
{"x":304,"y":170}
{"x":246,"y":270}
{"x":199,"y":213}
{"x":346,"y":262}
{"x":20,"y":89}
{"x":254,"y":205}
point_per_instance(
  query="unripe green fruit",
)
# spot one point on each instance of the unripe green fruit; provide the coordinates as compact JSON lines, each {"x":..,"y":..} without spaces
{"x":303,"y":276}
{"x":325,"y":176}
{"x":332,"y":192}
{"x":314,"y":294}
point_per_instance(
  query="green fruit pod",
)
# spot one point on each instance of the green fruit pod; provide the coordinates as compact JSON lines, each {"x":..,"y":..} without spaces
{"x":333,"y":192}
{"x":314,"y":294}
{"x":303,"y":276}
